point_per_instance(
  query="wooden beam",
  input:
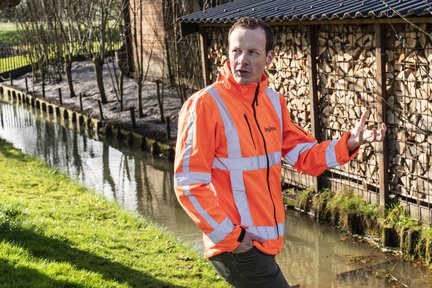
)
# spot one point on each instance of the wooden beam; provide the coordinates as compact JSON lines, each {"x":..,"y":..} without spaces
{"x":382,"y":151}
{"x":204,"y":57}
{"x":312,"y":37}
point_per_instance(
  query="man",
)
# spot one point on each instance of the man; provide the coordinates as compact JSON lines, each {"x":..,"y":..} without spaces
{"x":231,"y":138}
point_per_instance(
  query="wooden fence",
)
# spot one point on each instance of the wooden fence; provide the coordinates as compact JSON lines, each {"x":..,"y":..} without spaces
{"x":12,"y":57}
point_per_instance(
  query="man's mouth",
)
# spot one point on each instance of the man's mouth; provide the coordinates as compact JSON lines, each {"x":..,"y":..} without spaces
{"x":242,"y":71}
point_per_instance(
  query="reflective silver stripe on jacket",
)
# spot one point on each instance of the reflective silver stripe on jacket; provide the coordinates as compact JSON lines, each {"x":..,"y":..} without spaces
{"x":274,"y":98}
{"x":220,"y":230}
{"x":234,"y":152}
{"x":247,"y":163}
{"x":292,"y":156}
{"x":188,"y":178}
{"x":237,"y":164}
{"x":233,"y":142}
{"x":331,"y":155}
{"x":267,"y":232}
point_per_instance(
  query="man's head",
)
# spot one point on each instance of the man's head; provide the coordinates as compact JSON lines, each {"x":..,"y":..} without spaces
{"x":250,"y":49}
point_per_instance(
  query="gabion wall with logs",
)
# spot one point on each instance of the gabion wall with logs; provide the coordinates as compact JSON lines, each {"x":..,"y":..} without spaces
{"x":346,"y":66}
{"x":409,"y":88}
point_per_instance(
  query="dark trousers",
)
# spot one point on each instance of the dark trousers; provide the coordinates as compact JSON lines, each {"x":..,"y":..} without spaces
{"x":252,"y":269}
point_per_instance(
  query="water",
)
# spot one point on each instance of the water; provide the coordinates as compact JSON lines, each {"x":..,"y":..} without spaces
{"x":315,"y":255}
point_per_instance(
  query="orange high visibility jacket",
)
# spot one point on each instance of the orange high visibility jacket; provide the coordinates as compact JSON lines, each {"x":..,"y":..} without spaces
{"x":231,"y":139}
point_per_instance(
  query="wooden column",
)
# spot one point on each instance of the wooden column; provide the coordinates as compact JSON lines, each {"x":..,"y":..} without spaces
{"x":382,"y":150}
{"x":204,"y":57}
{"x":312,"y":36}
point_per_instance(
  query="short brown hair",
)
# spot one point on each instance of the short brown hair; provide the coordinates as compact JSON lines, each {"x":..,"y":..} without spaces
{"x":254,"y":23}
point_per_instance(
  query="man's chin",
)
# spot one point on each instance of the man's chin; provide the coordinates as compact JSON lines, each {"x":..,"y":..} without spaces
{"x":243,"y":80}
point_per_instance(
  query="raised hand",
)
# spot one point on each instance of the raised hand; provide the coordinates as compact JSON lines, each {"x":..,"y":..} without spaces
{"x":361,"y":134}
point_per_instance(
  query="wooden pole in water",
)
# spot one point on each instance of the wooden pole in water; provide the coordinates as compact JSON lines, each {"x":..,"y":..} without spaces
{"x":11,"y":80}
{"x":26,"y":84}
{"x":132,"y":113}
{"x":60,"y":96}
{"x":43,"y":89}
{"x":100,"y":109}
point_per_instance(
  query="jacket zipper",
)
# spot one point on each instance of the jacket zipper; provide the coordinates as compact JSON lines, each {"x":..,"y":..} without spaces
{"x":250,"y":130}
{"x":255,"y":102}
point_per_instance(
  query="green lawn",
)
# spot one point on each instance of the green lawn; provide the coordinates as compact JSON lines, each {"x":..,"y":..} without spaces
{"x":56,"y":233}
{"x":8,"y":32}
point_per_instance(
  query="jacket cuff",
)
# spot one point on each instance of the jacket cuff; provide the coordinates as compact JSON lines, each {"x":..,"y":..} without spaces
{"x":343,"y":155}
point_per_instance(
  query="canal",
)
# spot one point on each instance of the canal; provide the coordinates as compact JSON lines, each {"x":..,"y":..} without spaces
{"x":314,"y":255}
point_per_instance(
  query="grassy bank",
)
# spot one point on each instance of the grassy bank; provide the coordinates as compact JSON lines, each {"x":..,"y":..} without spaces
{"x":56,"y":233}
{"x":396,"y":229}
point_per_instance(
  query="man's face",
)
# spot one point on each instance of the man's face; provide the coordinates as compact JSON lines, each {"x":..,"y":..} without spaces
{"x":247,"y":54}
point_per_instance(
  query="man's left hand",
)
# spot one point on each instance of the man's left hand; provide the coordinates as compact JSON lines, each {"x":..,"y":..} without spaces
{"x":361,"y":134}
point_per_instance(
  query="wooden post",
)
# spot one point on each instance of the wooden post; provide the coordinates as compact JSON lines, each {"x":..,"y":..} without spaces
{"x":160,"y":100}
{"x":10,"y":78}
{"x":168,"y":128}
{"x":100,"y":109}
{"x":81,"y":103}
{"x":60,"y":96}
{"x":43,"y":89}
{"x":26,"y":84}
{"x":132,"y":114}
{"x":312,"y":36}
{"x":382,"y":150}
{"x":204,"y":57}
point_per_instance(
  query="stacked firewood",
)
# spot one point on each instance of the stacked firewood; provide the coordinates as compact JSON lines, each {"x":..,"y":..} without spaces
{"x":409,"y":86}
{"x":347,"y":73}
{"x":288,"y":73}
{"x":217,"y":50}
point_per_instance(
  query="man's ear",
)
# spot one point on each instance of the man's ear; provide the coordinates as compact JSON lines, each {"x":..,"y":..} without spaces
{"x":269,"y":57}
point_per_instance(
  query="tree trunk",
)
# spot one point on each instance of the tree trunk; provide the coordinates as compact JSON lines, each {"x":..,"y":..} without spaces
{"x":139,"y":99}
{"x":69,"y":78}
{"x":99,"y":78}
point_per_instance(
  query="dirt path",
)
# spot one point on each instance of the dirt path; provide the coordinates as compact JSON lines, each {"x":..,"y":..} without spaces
{"x":85,"y":82}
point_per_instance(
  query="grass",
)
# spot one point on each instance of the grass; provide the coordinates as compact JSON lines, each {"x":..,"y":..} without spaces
{"x":56,"y":233}
{"x":8,"y":33}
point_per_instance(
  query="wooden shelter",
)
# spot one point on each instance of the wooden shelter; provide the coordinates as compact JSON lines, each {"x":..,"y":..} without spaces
{"x":334,"y":58}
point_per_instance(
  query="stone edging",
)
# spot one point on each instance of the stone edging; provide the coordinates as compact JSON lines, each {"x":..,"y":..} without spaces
{"x":93,"y":125}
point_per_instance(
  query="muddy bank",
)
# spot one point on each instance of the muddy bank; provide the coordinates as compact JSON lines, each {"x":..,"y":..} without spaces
{"x":84,"y":79}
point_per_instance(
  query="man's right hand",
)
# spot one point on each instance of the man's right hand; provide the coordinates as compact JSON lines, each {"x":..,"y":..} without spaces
{"x":246,"y":243}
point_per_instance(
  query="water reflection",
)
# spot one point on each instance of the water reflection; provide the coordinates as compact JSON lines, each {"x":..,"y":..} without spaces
{"x":315,"y":255}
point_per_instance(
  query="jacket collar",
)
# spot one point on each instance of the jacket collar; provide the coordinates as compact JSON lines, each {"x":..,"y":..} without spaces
{"x":245,"y":91}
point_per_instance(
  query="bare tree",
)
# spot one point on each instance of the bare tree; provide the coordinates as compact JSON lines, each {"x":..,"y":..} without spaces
{"x":65,"y":15}
{"x":98,"y":33}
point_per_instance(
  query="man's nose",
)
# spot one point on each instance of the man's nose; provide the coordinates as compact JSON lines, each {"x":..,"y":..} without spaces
{"x":243,"y":59}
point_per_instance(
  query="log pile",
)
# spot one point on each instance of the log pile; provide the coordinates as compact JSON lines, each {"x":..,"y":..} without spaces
{"x":217,"y":50}
{"x":288,"y":73}
{"x":347,"y":71}
{"x":409,"y":86}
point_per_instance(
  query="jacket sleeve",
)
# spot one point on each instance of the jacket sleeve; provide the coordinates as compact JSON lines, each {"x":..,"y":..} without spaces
{"x":194,"y":156}
{"x":302,"y":151}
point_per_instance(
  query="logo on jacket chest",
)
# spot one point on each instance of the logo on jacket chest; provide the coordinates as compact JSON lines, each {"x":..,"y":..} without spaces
{"x":269,"y":128}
